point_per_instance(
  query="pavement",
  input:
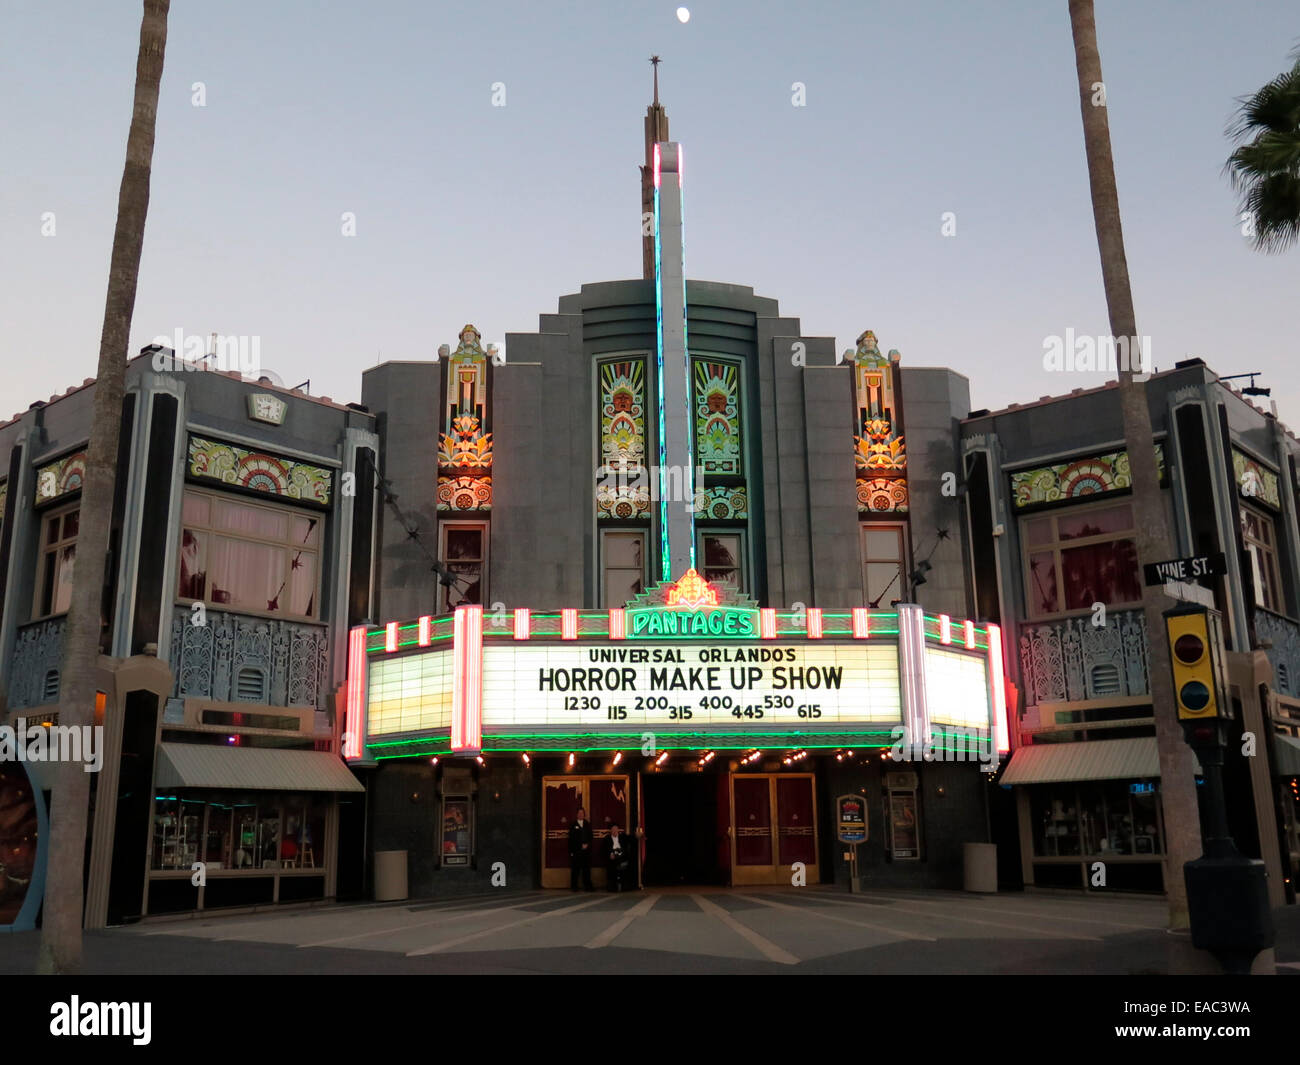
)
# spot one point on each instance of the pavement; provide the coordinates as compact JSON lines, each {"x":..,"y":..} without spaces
{"x":725,"y":931}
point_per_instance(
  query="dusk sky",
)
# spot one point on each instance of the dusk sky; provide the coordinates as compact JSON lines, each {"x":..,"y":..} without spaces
{"x":469,"y":212}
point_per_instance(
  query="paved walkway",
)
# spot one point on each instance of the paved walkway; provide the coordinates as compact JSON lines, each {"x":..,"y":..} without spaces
{"x":818,"y":929}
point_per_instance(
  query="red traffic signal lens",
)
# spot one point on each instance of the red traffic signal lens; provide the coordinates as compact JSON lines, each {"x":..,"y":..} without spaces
{"x":1189,"y":648}
{"x":1194,"y":695}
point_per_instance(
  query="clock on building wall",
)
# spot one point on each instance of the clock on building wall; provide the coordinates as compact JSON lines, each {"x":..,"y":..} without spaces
{"x":264,"y":407}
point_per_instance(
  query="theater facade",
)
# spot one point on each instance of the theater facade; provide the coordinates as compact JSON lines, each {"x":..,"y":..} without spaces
{"x":672,"y":560}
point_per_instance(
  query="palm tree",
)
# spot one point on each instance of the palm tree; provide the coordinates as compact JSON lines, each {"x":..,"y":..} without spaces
{"x":1177,"y":782}
{"x":1265,"y":168}
{"x":60,"y":950}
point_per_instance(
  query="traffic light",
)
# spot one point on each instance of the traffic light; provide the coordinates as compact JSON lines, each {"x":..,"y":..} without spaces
{"x":1193,"y":655}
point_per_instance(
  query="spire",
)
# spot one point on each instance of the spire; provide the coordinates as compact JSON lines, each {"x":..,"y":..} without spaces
{"x":656,"y":130}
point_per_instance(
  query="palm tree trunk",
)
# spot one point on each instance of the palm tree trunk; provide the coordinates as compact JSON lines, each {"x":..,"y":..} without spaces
{"x":1177,"y":768}
{"x":60,"y":950}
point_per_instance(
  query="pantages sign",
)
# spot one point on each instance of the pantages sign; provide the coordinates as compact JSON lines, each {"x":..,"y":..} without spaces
{"x":699,"y":666}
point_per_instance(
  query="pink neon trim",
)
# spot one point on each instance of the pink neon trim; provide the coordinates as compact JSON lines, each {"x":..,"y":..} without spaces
{"x":998,"y":690}
{"x":356,"y":693}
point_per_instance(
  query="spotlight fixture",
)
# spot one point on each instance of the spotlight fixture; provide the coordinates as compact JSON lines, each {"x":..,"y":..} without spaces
{"x":618,"y":757}
{"x":527,"y":760}
{"x":572,"y":759}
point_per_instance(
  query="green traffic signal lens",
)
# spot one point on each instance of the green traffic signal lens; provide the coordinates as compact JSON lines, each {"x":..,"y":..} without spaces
{"x":1189,"y":648}
{"x":1194,"y":695}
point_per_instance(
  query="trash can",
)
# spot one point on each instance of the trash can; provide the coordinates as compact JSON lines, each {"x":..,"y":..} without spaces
{"x":390,"y":876}
{"x":981,"y":867}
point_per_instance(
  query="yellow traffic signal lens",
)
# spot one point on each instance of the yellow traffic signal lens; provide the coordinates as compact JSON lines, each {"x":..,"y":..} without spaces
{"x":1189,"y":648}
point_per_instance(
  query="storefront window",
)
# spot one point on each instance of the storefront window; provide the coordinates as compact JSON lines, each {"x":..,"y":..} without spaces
{"x":1096,"y":818}
{"x":312,"y":849}
{"x":240,"y":832}
{"x":216,"y":849}
{"x":1055,"y":822}
{"x":177,"y":826}
{"x":245,"y":841}
{"x":268,"y":837}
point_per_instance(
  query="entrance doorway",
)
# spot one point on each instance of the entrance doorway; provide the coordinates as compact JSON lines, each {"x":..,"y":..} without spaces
{"x":605,"y":799}
{"x":775,"y":825}
{"x":685,"y":817}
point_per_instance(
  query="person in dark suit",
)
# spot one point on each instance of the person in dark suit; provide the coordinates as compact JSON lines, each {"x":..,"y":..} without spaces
{"x":580,"y":851}
{"x":618,"y":857}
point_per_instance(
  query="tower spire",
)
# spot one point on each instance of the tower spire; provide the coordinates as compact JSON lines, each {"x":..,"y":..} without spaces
{"x":656,"y":130}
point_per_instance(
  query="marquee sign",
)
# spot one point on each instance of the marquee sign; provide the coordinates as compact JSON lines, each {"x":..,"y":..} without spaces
{"x":696,"y":665}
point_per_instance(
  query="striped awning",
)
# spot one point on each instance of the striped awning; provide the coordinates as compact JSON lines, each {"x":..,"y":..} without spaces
{"x":1133,"y":758}
{"x":1286,"y":756}
{"x":194,"y":765}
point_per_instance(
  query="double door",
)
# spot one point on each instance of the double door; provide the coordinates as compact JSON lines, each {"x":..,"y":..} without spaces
{"x":773,"y":826}
{"x":605,"y":799}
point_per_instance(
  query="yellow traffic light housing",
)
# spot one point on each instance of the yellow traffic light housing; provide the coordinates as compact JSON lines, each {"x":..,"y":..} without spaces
{"x":1195,"y":659}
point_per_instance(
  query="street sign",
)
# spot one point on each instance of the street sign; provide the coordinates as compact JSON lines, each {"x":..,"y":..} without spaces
{"x":1186,"y":569}
{"x":1190,"y":593}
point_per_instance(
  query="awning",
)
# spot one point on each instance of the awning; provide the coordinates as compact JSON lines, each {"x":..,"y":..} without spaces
{"x":1133,"y":758}
{"x":195,"y":765}
{"x":1286,"y":755}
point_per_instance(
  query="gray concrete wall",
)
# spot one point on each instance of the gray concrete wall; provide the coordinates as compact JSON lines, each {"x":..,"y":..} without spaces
{"x":934,"y":400}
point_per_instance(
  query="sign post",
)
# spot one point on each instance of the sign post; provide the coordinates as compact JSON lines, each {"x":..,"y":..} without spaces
{"x":851,"y":821}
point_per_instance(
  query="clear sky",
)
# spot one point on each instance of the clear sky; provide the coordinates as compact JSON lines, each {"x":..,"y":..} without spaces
{"x":467,"y":211}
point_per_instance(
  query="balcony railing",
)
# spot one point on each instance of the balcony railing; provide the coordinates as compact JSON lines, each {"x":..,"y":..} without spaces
{"x":1284,"y":655}
{"x":1073,"y":660}
{"x":242,"y":658}
{"x":34,"y":667}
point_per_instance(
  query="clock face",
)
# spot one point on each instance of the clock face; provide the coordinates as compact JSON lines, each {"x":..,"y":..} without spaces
{"x":266,"y":408}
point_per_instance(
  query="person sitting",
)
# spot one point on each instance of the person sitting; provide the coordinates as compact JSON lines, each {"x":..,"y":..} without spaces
{"x":618,"y":858}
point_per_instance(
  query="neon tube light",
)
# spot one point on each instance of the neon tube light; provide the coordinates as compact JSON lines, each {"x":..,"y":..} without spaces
{"x":426,"y":630}
{"x":390,"y":637}
{"x":861,"y":623}
{"x":998,"y":690}
{"x":523,"y":624}
{"x":665,"y":561}
{"x":814,"y":623}
{"x":356,"y":693}
{"x":467,"y":681}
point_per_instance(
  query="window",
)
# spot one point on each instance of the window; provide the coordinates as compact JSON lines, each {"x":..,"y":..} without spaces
{"x":58,"y":553}
{"x":464,"y":552}
{"x":1080,"y":556}
{"x":882,"y":564}
{"x":249,"y":556}
{"x":724,"y":558}
{"x":1260,"y":542}
{"x":1096,"y":818}
{"x":623,"y":561}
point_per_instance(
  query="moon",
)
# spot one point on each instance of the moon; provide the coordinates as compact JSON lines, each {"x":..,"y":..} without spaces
{"x":683,"y":14}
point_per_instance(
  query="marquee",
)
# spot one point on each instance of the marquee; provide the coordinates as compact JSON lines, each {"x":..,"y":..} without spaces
{"x":692,"y":665}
